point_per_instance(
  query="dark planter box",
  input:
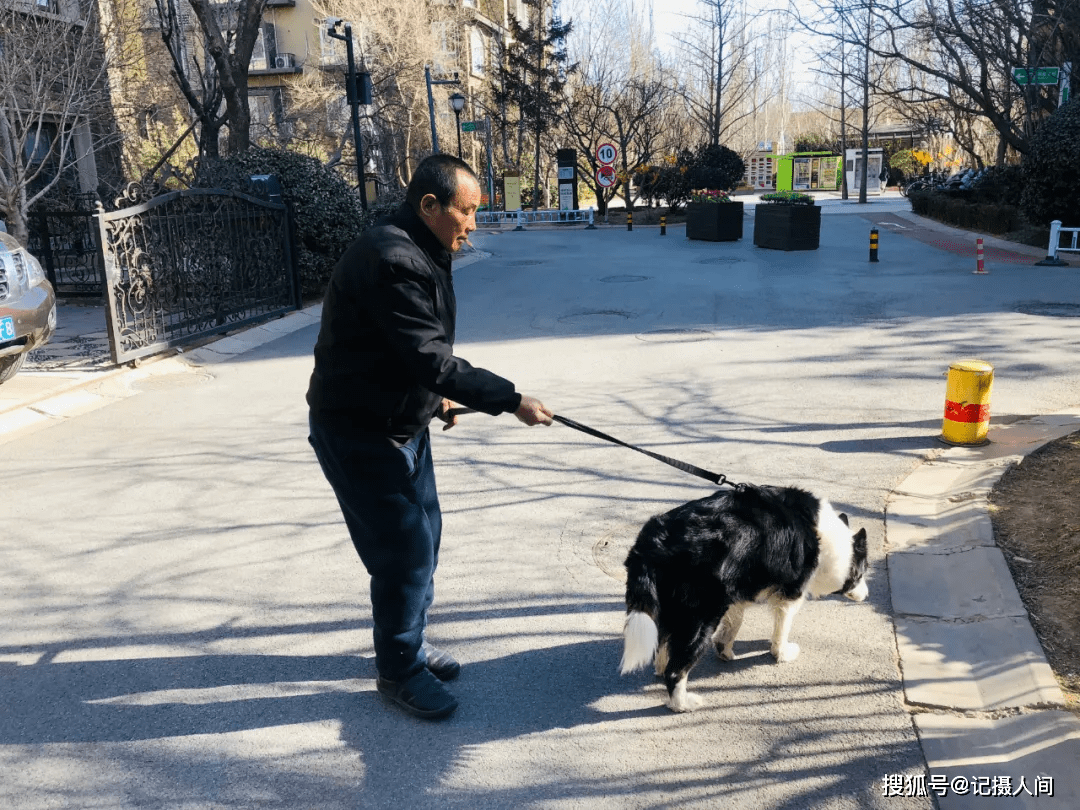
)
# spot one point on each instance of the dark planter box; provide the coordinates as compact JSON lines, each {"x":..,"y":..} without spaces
{"x":714,"y":222}
{"x":787,"y":227}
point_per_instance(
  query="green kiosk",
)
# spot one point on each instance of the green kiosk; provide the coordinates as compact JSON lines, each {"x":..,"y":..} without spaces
{"x":808,"y":171}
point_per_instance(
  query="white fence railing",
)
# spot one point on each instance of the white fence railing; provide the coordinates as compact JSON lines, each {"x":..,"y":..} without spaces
{"x":1055,"y":240}
{"x":520,"y":218}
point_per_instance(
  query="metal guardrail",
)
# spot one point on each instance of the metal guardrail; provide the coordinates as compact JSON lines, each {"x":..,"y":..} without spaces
{"x":519,"y":218}
{"x":1054,"y":248}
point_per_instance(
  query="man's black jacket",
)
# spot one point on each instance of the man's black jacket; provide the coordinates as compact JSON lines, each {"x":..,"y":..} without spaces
{"x":384,"y":358}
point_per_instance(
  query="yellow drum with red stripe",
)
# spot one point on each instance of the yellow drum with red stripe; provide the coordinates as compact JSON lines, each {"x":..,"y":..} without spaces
{"x":967,"y":402}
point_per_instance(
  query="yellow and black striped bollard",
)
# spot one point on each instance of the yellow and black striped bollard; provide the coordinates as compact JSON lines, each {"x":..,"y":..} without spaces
{"x":663,"y":226}
{"x":873,"y":244}
{"x":629,"y":220}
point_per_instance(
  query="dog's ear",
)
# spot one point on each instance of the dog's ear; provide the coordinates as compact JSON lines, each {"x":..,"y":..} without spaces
{"x":843,"y":517}
{"x":860,"y":539}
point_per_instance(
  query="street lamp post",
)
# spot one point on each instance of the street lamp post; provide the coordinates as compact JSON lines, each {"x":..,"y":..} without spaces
{"x":431,"y":103}
{"x":457,"y":101}
{"x":353,"y":96}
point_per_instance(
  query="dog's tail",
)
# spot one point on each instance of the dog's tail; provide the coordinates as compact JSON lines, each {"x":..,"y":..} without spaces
{"x":640,"y":634}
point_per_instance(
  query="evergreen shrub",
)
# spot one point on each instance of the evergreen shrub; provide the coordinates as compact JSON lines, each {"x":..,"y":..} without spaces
{"x":325,"y":209}
{"x":1051,"y":169}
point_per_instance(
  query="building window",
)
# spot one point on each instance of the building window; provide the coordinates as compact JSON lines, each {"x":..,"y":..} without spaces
{"x":478,"y":49}
{"x":446,"y":58}
{"x":267,"y":112}
{"x":265,"y":51}
{"x":331,"y":51}
{"x":39,"y":141}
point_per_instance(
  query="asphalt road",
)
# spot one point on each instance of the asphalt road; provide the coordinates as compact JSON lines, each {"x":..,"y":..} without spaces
{"x":186,"y":625}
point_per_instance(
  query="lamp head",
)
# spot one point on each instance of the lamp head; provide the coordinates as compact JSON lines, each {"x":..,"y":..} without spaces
{"x":457,"y":101}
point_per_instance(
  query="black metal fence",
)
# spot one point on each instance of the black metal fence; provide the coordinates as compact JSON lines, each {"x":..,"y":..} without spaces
{"x":193,"y":263}
{"x":66,"y":243}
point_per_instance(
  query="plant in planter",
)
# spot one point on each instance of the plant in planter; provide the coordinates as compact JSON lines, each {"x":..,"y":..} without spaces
{"x":714,"y":217}
{"x":787,"y":220}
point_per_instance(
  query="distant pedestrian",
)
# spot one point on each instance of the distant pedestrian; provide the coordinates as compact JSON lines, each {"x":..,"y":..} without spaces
{"x":384,"y":366}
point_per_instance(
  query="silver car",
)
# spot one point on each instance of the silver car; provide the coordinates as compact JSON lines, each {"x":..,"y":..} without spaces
{"x":27,"y":306}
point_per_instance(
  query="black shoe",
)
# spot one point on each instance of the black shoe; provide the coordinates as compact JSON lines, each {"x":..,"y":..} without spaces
{"x":421,"y":695}
{"x":441,"y":664}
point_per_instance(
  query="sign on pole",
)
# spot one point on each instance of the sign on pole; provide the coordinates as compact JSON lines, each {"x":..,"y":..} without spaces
{"x":1042,"y":75}
{"x":605,"y":176}
{"x":468,"y":126}
{"x":606,"y":153}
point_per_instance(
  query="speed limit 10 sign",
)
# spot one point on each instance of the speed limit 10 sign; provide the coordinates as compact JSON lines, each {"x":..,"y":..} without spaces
{"x":606,"y":153}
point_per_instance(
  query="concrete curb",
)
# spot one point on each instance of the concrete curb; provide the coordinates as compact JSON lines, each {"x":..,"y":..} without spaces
{"x":985,"y":702}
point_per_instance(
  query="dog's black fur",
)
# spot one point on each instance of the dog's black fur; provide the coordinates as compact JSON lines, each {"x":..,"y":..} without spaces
{"x":692,"y":571}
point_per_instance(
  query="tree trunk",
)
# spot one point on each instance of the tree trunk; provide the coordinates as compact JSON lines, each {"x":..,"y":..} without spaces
{"x":866,"y":107}
{"x":536,"y":172}
{"x":236,"y":104}
{"x":843,"y":114}
{"x":715,"y":135}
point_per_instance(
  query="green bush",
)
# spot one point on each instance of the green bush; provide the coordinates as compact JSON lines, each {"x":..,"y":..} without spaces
{"x":716,"y":167}
{"x":326,"y":211}
{"x":1051,"y":169}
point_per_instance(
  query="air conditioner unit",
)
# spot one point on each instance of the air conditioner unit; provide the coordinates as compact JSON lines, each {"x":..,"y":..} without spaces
{"x":285,"y":60}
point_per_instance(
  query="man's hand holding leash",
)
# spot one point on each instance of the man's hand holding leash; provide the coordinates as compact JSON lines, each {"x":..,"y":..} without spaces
{"x":531,"y":412}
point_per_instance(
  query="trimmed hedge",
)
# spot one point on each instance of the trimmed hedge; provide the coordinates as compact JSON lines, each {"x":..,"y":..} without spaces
{"x":953,"y":209}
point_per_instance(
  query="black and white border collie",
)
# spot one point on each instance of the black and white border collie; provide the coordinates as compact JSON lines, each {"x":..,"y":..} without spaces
{"x":693,"y":570}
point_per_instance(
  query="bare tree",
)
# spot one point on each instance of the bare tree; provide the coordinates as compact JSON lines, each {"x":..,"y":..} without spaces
{"x":851,"y":26}
{"x":961,"y":56}
{"x":721,"y":70}
{"x":394,"y":41}
{"x":622,"y":92}
{"x":215,"y":68}
{"x":55,"y":110}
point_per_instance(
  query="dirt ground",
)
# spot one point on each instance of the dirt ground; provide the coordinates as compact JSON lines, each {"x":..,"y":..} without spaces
{"x":1035,"y":509}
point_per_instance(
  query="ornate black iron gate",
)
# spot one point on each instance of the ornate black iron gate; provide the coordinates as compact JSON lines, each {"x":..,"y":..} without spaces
{"x":193,"y":263}
{"x":66,"y":242}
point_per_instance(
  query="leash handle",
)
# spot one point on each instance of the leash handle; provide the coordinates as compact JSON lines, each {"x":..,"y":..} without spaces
{"x":717,"y":478}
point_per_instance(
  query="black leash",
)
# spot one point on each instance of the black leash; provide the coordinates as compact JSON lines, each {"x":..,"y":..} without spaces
{"x":717,"y":478}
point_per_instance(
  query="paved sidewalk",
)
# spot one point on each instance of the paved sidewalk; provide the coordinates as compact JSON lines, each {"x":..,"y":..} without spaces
{"x":985,"y":702}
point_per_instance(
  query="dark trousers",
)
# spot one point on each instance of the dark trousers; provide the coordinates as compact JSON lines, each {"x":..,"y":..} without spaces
{"x":387,"y":496}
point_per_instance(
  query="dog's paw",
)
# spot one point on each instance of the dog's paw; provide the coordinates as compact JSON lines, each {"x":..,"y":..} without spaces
{"x":684,"y":702}
{"x":725,"y":652}
{"x":786,"y":653}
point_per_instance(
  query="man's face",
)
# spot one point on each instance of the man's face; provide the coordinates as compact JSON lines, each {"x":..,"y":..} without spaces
{"x":453,"y":224}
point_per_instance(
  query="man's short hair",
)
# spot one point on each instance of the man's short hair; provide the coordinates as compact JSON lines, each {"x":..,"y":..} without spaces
{"x":438,"y":175}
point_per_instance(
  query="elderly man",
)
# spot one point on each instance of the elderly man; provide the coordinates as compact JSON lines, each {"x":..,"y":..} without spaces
{"x":384,"y":366}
